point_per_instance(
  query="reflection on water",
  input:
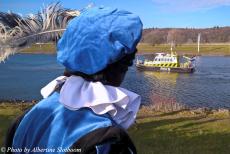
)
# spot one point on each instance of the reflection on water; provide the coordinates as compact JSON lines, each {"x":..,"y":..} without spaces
{"x":23,"y":75}
{"x":208,"y":86}
{"x":164,"y":84}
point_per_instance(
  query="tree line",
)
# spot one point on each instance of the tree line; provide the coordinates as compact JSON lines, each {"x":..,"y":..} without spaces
{"x":176,"y":36}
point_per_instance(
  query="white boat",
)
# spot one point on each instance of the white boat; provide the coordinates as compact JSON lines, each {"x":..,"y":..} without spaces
{"x":167,"y":62}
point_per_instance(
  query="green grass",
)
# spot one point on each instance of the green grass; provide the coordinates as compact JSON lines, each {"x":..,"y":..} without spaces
{"x":190,"y":49}
{"x":37,"y":48}
{"x":184,"y":131}
{"x":8,"y":112}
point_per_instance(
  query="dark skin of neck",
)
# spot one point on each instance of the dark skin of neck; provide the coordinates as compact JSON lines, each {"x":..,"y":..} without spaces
{"x":117,"y":71}
{"x":113,"y":75}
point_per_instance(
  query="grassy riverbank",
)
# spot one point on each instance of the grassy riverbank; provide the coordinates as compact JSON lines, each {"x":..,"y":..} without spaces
{"x":41,"y":48}
{"x":8,"y":112}
{"x":185,"y":131}
{"x":189,"y":49}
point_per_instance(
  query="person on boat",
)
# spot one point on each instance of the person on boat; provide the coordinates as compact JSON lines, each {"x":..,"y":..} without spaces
{"x":85,"y":111}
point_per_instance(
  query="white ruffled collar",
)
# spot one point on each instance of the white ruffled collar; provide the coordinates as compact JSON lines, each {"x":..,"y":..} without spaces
{"x":76,"y":93}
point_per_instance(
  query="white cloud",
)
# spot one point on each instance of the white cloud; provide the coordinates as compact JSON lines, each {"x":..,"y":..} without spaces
{"x":189,"y":5}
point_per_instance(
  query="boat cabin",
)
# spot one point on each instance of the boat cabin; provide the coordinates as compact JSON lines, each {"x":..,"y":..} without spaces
{"x":164,"y":60}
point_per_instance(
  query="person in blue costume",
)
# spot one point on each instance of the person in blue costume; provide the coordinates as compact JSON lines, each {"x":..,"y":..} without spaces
{"x":85,"y":110}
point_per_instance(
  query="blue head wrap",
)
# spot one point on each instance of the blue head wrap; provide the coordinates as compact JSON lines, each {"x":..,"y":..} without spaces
{"x":98,"y":37}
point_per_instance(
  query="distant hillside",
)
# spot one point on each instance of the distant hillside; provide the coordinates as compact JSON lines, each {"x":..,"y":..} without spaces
{"x":185,"y":35}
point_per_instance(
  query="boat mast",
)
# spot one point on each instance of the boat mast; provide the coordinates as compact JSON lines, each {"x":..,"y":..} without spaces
{"x":172,"y":45}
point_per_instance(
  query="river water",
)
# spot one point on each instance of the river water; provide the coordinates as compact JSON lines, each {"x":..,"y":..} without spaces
{"x":23,"y":75}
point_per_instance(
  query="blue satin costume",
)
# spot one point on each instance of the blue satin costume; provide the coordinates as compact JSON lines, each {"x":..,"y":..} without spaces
{"x":50,"y":125}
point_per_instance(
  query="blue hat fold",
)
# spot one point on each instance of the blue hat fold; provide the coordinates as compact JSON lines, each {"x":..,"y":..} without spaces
{"x":97,"y":38}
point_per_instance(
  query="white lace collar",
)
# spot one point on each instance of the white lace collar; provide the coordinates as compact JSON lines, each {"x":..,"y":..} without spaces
{"x":76,"y":93}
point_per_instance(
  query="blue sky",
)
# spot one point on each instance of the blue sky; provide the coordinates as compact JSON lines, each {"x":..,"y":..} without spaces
{"x":153,"y":13}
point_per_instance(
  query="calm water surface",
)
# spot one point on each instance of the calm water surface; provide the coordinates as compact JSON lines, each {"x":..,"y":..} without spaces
{"x":23,"y":75}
